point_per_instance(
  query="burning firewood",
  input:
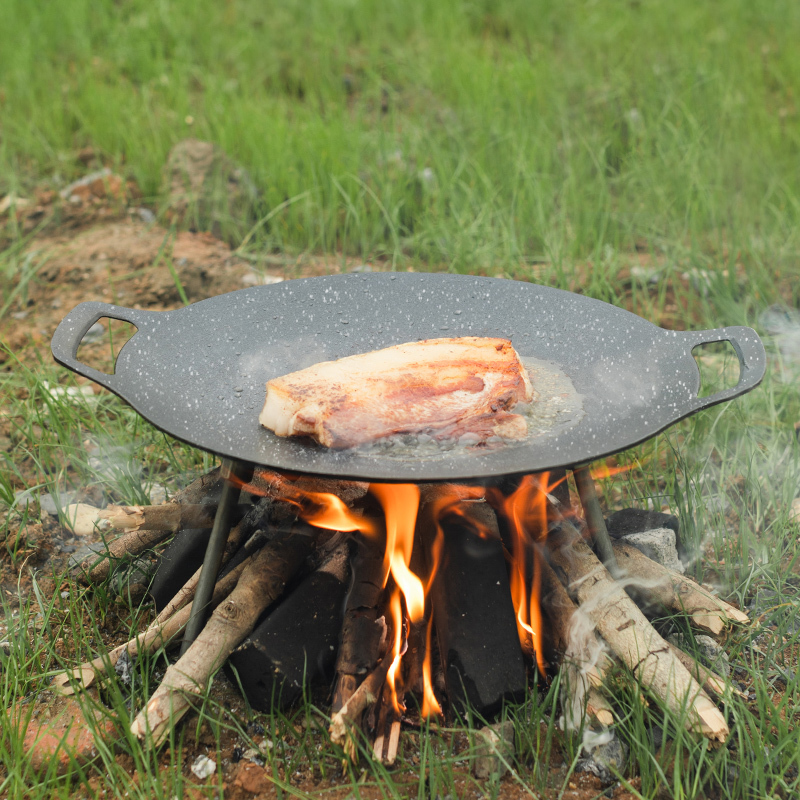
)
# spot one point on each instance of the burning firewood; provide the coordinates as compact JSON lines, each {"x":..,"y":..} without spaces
{"x":345,"y":721}
{"x":630,"y":636}
{"x":297,"y":488}
{"x":387,"y":737}
{"x":261,"y":583}
{"x":474,"y":613}
{"x":675,"y":591}
{"x":166,"y":518}
{"x":361,"y":631}
{"x":96,"y":568}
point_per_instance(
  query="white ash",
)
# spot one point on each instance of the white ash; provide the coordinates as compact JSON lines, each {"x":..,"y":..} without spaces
{"x":605,"y":755}
{"x":584,"y":651}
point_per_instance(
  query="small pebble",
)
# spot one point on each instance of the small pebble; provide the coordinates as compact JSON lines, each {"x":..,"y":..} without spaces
{"x":94,"y":334}
{"x":204,"y":767}
{"x":47,"y":502}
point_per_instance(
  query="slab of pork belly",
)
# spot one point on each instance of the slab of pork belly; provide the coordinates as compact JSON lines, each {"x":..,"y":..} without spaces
{"x":444,"y":387}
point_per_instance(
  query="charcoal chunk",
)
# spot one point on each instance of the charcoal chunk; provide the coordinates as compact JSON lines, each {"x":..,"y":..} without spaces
{"x":295,"y":646}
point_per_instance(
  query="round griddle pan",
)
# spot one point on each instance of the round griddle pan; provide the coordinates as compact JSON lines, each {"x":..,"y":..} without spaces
{"x":199,"y":373}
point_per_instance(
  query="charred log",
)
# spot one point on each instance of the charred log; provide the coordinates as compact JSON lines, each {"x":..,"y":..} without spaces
{"x":183,"y":556}
{"x":345,"y":721}
{"x":474,"y":616}
{"x":295,"y":646}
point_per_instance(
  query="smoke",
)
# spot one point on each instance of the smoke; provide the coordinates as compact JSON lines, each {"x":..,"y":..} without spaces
{"x":584,"y":652}
{"x":592,"y":739}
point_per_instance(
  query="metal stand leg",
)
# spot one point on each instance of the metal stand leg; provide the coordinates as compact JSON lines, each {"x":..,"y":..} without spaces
{"x":601,"y":541}
{"x":216,"y":545}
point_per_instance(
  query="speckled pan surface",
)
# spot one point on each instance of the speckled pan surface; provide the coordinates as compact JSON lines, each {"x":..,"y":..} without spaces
{"x":199,"y":373}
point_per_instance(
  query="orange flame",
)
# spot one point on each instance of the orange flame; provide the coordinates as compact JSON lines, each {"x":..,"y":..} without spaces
{"x":393,"y":675}
{"x":328,"y":511}
{"x":400,"y":504}
{"x":606,"y":470}
{"x":526,"y":511}
{"x":321,"y":509}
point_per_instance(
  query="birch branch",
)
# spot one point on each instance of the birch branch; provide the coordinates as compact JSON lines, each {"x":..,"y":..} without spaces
{"x":675,"y":591}
{"x":628,"y":633}
{"x":261,"y":583}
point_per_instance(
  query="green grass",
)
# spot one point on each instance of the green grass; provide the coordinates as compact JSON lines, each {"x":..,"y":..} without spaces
{"x":549,"y":130}
{"x":528,"y":139}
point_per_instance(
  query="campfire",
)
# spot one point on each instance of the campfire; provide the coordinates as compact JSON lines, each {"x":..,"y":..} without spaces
{"x":403,"y":598}
{"x":405,"y":580}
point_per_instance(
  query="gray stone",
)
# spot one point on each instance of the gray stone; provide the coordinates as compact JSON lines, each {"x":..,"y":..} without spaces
{"x":157,"y":494}
{"x":24,"y":499}
{"x":716,"y":657}
{"x":256,"y":279}
{"x":146,"y":215}
{"x":124,"y":668}
{"x":96,"y":549}
{"x":94,"y":334}
{"x":605,"y":760}
{"x":47,"y":503}
{"x":636,"y":520}
{"x":657,"y":544}
{"x":494,"y":747}
{"x":646,"y":275}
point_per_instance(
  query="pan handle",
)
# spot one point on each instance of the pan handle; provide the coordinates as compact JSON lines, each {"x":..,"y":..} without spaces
{"x":750,"y":352}
{"x":73,"y":328}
